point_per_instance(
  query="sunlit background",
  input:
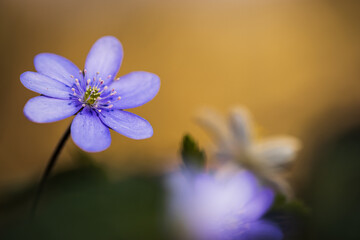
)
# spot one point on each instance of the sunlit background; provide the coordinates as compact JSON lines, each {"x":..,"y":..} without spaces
{"x":293,"y":63}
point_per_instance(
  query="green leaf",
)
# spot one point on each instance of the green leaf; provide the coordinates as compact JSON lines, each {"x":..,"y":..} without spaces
{"x":294,"y":206}
{"x":192,"y":155}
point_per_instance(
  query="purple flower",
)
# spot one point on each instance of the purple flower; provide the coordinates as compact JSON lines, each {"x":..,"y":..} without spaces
{"x":94,"y":95}
{"x":217,"y":207}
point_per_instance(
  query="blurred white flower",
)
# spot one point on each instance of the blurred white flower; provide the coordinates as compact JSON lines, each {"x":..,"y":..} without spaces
{"x":236,"y":143}
{"x":208,"y":207}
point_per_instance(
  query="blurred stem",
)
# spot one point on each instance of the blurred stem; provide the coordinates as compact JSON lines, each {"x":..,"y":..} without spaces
{"x":48,"y":169}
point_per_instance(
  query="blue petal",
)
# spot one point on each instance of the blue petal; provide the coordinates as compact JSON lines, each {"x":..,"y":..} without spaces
{"x":57,"y":67}
{"x":89,"y":133}
{"x":259,"y":230}
{"x":44,"y":109}
{"x":127,"y":124}
{"x":105,"y":57}
{"x":259,"y":205}
{"x":245,"y":185}
{"x":45,"y":85}
{"x":136,"y":89}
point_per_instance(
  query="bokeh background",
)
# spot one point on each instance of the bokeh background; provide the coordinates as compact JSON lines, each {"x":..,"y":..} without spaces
{"x":293,"y":63}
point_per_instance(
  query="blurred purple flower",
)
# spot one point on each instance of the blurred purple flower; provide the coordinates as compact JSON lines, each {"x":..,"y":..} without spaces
{"x":95,"y":95}
{"x":214,"y":207}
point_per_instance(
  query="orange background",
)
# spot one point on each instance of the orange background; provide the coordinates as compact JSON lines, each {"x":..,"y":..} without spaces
{"x":293,"y":63}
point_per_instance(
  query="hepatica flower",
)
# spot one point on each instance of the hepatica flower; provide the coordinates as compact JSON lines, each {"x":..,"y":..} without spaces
{"x":237,"y":144}
{"x":209,"y":207}
{"x":94,"y":95}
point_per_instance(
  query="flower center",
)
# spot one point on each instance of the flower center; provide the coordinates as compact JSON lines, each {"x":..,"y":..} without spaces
{"x":91,"y":95}
{"x":88,"y":92}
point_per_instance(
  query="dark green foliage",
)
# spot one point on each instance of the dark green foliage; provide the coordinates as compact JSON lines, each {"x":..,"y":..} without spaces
{"x":83,"y":203}
{"x":290,"y":216}
{"x":334,"y":192}
{"x":293,"y":206}
{"x":193,"y":157}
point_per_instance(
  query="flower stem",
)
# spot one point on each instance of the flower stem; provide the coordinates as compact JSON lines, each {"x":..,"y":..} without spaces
{"x":48,"y":169}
